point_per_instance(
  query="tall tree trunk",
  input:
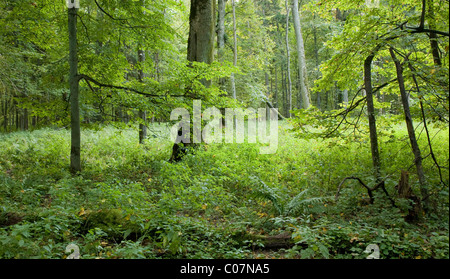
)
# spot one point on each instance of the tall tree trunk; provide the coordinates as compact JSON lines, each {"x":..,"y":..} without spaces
{"x":232,"y":78}
{"x":142,"y":114}
{"x":345,"y":98}
{"x":288,"y":56}
{"x":6,"y":116}
{"x":200,"y":49}
{"x":433,"y":36}
{"x":221,"y":47}
{"x":75,"y":153}
{"x":221,"y":36}
{"x":201,"y":32}
{"x":316,"y":56}
{"x":25,"y":119}
{"x":302,"y":72}
{"x":276,"y":86}
{"x":371,"y":115}
{"x":410,"y":127}
{"x":283,"y":90}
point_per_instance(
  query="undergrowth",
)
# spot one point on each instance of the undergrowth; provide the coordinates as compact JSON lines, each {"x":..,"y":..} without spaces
{"x":129,"y":202}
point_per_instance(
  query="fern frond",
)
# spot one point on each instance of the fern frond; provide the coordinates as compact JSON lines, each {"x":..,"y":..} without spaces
{"x":266,"y":193}
{"x":299,"y":204}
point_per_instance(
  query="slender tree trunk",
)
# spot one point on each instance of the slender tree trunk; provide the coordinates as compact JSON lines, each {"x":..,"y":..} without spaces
{"x":5,"y":115}
{"x":16,"y":115}
{"x":306,"y":101}
{"x":142,"y":114}
{"x":276,"y":86}
{"x":221,"y":36}
{"x":25,"y":119}
{"x":410,"y":127}
{"x":283,"y":91}
{"x":75,"y":154}
{"x":288,"y":56}
{"x":232,"y":78}
{"x":316,"y":56}
{"x":221,"y":47}
{"x":371,"y":115}
{"x":345,"y":97}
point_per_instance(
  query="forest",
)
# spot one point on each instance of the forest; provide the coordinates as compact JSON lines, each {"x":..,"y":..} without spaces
{"x":224,"y":129}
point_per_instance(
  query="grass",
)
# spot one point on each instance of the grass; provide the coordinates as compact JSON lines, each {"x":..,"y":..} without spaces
{"x":223,"y":201}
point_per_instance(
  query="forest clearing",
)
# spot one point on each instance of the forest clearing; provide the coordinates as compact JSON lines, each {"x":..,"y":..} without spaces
{"x":335,"y":116}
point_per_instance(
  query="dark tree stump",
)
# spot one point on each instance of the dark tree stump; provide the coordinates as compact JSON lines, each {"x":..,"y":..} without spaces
{"x":405,"y":192}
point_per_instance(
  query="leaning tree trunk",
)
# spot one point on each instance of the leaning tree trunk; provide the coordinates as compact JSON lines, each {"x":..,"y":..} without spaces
{"x":410,"y":127}
{"x":302,"y":73}
{"x":75,"y":153}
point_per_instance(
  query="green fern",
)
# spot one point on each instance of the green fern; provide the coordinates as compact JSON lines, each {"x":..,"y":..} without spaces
{"x":285,"y":206}
{"x":267,"y":193}
{"x":300,"y":203}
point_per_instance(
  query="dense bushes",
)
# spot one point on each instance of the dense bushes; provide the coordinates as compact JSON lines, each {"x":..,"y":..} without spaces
{"x":221,"y":201}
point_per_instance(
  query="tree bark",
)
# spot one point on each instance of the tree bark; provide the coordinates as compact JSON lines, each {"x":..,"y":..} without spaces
{"x":302,"y":72}
{"x":376,"y":162}
{"x":345,"y":97}
{"x":410,"y":126}
{"x":75,"y":153}
{"x":288,"y":56}
{"x":433,"y":36}
{"x":221,"y":36}
{"x":232,"y":79}
{"x":142,"y":114}
{"x":200,"y":47}
{"x":316,"y":56}
{"x":201,"y":31}
{"x":276,"y":86}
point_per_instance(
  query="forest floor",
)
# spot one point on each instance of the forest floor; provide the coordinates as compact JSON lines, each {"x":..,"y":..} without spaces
{"x":224,"y":201}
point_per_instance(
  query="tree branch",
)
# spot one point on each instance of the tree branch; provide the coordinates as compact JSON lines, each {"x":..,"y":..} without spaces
{"x":89,"y":79}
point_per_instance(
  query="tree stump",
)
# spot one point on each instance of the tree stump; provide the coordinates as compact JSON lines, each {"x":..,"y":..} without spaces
{"x":405,"y":192}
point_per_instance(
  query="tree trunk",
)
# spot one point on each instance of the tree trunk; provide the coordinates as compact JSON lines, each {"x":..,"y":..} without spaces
{"x":316,"y":56}
{"x":221,"y":36}
{"x":25,"y":119}
{"x":283,"y":91}
{"x":288,"y":56}
{"x":142,"y":114}
{"x":221,"y":48}
{"x":6,"y":116}
{"x":201,"y":32}
{"x":200,"y":47}
{"x":306,"y":102}
{"x":371,"y":115}
{"x":345,"y":97}
{"x":433,"y":36}
{"x":75,"y":154}
{"x":232,"y":79}
{"x":410,"y":127}
{"x":405,"y":192}
{"x":276,"y":86}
